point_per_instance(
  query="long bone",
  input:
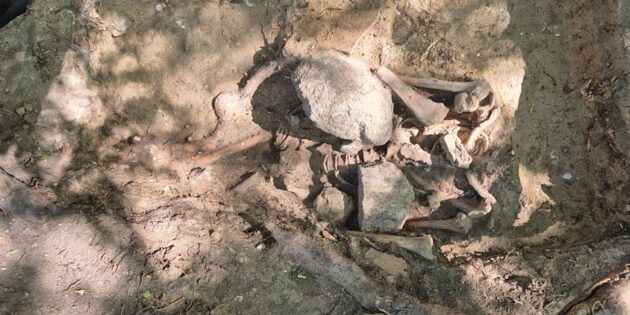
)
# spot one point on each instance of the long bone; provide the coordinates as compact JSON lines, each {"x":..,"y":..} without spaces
{"x":469,"y":94}
{"x":461,"y":223}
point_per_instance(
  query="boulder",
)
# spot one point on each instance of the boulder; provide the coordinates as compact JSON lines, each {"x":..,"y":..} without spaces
{"x":342,"y":97}
{"x":385,"y":196}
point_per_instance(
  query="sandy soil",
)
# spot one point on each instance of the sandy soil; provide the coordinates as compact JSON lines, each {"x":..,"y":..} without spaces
{"x":98,"y":208}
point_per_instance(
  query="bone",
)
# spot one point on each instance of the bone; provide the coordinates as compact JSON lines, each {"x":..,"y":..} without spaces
{"x":229,"y":106}
{"x":421,"y":245}
{"x":483,"y":192}
{"x":425,"y":110}
{"x":472,"y":207}
{"x":335,"y":268}
{"x":233,"y":148}
{"x":470,"y":143}
{"x":441,"y":128}
{"x":461,"y":223}
{"x":469,"y":96}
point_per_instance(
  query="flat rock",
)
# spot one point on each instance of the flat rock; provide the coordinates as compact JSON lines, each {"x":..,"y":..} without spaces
{"x":342,"y":97}
{"x":389,"y":263}
{"x":385,"y":196}
{"x":455,"y":151}
{"x":333,"y":205}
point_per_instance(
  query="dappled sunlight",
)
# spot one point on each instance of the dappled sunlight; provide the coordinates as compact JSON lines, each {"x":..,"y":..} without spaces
{"x":71,"y":96}
{"x":532,"y":196}
{"x":131,"y":91}
{"x":155,"y":49}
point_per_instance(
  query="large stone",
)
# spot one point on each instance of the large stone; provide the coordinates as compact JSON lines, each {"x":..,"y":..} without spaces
{"x":385,"y":196}
{"x":342,"y":97}
{"x":333,"y":205}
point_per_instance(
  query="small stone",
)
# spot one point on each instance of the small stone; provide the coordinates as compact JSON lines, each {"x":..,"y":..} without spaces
{"x":342,"y":97}
{"x":134,"y":139}
{"x":30,"y":118}
{"x":21,"y":111}
{"x":385,"y":196}
{"x":567,"y":176}
{"x":333,"y":205}
{"x":121,"y":27}
{"x":189,"y":139}
{"x":389,"y":263}
{"x":455,"y":151}
{"x":28,"y":107}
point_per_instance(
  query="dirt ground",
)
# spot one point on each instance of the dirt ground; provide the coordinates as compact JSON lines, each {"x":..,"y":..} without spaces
{"x":101,"y":215}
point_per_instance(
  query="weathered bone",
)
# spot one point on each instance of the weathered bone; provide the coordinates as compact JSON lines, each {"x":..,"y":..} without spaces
{"x":421,"y":245}
{"x":468,"y":98}
{"x":229,"y":106}
{"x":461,"y":223}
{"x":483,"y":192}
{"x":470,"y":143}
{"x":425,"y":110}
{"x":472,"y":207}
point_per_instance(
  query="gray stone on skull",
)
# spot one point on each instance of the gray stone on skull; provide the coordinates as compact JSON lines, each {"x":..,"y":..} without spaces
{"x":333,"y":205}
{"x":385,"y":196}
{"x":342,"y":97}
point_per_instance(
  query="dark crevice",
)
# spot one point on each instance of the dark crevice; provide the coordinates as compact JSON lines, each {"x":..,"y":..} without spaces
{"x":10,"y":9}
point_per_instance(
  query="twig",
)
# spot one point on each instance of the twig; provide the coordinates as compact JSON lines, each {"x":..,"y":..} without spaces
{"x":72,"y":285}
{"x":20,"y":260}
{"x":169,"y":305}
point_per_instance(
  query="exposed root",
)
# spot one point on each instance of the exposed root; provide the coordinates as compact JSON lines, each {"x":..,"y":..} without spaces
{"x":345,"y":273}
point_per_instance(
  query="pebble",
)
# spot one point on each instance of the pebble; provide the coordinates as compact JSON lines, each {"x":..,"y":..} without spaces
{"x":567,"y":176}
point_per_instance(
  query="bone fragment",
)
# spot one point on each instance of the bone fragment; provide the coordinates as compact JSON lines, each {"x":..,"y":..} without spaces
{"x":425,"y":110}
{"x":415,"y":153}
{"x":470,"y":143}
{"x":455,"y":151}
{"x":469,"y":93}
{"x":233,"y":148}
{"x":441,"y":128}
{"x":472,"y":207}
{"x":483,"y":192}
{"x":345,"y":273}
{"x":461,"y":223}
